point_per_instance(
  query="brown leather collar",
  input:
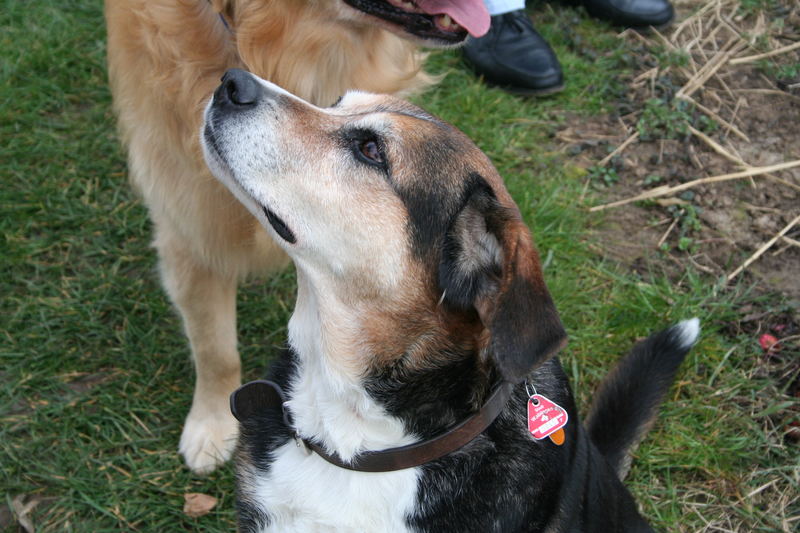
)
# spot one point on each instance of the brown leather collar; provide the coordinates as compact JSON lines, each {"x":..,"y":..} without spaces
{"x":259,"y":394}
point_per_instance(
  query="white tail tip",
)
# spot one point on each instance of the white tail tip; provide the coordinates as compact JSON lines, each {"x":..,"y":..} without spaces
{"x":688,"y":331}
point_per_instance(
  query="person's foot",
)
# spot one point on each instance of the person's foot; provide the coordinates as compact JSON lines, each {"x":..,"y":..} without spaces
{"x":515,"y":57}
{"x":632,"y":13}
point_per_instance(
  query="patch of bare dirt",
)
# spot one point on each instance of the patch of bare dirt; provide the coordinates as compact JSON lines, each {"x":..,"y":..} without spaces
{"x":717,"y":95}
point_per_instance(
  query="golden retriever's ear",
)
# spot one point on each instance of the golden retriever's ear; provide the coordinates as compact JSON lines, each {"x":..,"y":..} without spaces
{"x":489,"y":263}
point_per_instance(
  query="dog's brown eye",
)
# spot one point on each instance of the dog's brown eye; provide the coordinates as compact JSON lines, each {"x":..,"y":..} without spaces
{"x":367,"y":147}
{"x":372,"y":151}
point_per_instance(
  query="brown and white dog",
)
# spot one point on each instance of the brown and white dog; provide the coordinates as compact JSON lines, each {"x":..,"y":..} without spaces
{"x":419,"y":290}
{"x":165,"y":58}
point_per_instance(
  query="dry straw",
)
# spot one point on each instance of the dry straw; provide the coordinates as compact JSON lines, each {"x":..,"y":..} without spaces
{"x":717,"y":42}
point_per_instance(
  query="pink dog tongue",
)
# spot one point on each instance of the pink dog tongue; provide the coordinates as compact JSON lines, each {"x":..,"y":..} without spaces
{"x":471,"y":14}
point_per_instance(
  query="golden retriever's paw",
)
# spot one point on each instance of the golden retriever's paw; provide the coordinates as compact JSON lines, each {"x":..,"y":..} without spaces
{"x":208,"y":441}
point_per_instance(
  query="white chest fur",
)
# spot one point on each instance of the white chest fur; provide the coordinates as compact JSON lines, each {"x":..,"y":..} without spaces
{"x":305,"y":494}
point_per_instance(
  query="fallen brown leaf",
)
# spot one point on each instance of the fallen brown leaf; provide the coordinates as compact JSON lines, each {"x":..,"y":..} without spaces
{"x":197,"y":504}
{"x":22,"y":510}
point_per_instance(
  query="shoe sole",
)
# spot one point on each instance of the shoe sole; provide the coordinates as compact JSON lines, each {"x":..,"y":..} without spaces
{"x":649,"y":28}
{"x":641,"y":29}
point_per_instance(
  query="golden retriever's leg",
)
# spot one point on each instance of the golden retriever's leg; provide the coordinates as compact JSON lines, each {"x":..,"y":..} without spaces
{"x":207,"y":303}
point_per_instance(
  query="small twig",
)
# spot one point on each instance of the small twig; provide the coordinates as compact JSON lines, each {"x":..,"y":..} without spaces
{"x":725,"y":22}
{"x":769,"y":91}
{"x":721,"y":151}
{"x":716,"y":117}
{"x":759,"y":29}
{"x":761,"y":488}
{"x":714,"y":266}
{"x":646,"y":75}
{"x":751,"y":207}
{"x":781,"y":250}
{"x":783,"y":182}
{"x":666,"y":202}
{"x":710,"y":37}
{"x":698,"y":266}
{"x":734,"y":115}
{"x":789,"y":240}
{"x":566,"y":136}
{"x":585,"y":188}
{"x":777,"y":51}
{"x":705,"y":73}
{"x":768,"y":81}
{"x":618,"y":149}
{"x":784,"y":340}
{"x":699,"y":40}
{"x":693,"y":156}
{"x":716,"y":147}
{"x":666,"y":42}
{"x":764,"y":247}
{"x":724,"y":84}
{"x":691,"y":18}
{"x":625,"y":127}
{"x":735,"y":152}
{"x":693,"y":41}
{"x":713,"y":94}
{"x":666,"y":233}
{"x":666,"y":190}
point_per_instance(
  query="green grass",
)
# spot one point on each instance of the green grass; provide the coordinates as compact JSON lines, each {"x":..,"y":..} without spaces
{"x":95,"y":377}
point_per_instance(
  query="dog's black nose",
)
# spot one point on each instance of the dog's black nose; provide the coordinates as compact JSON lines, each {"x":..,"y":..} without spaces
{"x":239,"y":88}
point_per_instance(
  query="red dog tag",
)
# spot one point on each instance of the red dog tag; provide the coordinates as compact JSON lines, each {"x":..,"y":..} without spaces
{"x":544,"y":417}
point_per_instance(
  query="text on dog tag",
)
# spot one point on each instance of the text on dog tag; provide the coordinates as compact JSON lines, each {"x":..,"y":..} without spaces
{"x":544,"y":417}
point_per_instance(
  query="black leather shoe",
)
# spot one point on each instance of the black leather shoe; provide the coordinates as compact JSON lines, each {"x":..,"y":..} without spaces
{"x":632,"y":13}
{"x":515,"y":57}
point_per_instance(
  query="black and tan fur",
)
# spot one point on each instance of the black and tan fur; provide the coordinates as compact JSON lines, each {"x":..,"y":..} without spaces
{"x":419,"y":289}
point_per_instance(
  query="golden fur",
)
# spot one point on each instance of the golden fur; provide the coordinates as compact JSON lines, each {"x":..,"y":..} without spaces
{"x":165,"y":58}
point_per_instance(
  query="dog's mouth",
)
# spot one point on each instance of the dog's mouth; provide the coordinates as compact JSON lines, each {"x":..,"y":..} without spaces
{"x":446,"y":21}
{"x":211,"y":141}
{"x":236,"y":188}
{"x":279,"y":225}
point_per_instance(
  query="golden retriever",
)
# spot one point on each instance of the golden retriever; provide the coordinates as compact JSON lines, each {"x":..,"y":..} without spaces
{"x":165,"y":58}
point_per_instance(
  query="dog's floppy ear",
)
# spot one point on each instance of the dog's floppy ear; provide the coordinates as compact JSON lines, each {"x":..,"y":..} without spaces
{"x":489,"y":263}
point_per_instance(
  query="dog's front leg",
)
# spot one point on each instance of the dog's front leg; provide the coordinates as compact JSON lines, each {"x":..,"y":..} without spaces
{"x":207,"y":303}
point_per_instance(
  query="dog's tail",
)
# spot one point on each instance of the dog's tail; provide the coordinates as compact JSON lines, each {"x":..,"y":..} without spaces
{"x":626,"y":404}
